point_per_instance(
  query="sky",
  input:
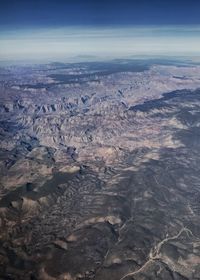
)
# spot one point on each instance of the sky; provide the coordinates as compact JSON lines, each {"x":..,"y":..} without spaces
{"x":64,"y":28}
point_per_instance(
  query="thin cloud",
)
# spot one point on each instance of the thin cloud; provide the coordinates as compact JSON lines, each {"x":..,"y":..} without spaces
{"x":110,"y":41}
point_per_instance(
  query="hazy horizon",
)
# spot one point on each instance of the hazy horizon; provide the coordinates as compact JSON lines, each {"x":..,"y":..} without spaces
{"x":102,"y":42}
{"x":60,"y":30}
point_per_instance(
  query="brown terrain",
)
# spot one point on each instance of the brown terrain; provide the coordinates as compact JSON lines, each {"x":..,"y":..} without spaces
{"x":100,"y":171}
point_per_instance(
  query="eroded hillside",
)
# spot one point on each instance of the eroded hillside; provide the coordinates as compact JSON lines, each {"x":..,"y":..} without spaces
{"x":100,"y":172}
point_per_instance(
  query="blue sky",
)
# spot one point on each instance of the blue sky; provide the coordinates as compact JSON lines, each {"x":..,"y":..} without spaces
{"x":28,"y":13}
{"x":57,"y":30}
